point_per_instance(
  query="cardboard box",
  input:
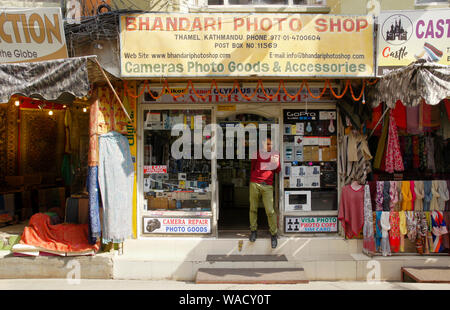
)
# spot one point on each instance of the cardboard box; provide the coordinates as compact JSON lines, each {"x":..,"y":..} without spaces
{"x":157,"y":203}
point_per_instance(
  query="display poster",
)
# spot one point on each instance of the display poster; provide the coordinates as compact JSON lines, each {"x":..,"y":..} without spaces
{"x":221,"y":44}
{"x":31,"y":34}
{"x":406,"y":36}
{"x":176,"y":225}
{"x":156,"y":169}
{"x":311,"y":224}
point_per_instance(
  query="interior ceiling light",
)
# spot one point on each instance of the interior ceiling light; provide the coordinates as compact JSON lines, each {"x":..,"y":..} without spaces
{"x":17,"y":103}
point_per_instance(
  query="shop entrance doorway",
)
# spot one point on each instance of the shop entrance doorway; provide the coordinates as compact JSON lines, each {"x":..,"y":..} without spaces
{"x":233,"y":175}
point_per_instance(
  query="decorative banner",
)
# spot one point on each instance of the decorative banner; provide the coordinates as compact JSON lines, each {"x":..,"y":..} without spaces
{"x":311,"y":224}
{"x":31,"y":34}
{"x":201,"y":45}
{"x":406,"y":36}
{"x":177,"y":225}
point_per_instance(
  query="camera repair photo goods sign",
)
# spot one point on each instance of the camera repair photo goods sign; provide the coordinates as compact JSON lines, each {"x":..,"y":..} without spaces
{"x":177,"y":225}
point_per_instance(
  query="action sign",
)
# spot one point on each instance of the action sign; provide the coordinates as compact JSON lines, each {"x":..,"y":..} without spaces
{"x":311,"y":224}
{"x":406,"y":36}
{"x":201,"y":45}
{"x":31,"y":34}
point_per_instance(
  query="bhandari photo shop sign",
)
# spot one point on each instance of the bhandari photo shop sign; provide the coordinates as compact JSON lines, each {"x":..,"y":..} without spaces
{"x":406,"y":36}
{"x":207,"y":45}
{"x":31,"y":34}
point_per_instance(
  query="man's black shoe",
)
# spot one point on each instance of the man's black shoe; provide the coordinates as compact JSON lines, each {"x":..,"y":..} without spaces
{"x":253,"y":236}
{"x":274,"y":241}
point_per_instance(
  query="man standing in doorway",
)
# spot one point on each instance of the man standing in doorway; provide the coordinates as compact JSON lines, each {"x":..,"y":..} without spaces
{"x":264,"y":166}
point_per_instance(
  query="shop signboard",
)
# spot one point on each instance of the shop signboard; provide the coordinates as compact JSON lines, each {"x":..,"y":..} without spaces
{"x":229,"y":94}
{"x":406,"y":36}
{"x":31,"y":34}
{"x":243,"y":45}
{"x":311,"y":224}
{"x":176,"y":225}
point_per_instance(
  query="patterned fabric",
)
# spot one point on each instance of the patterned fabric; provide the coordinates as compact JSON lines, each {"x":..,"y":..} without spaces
{"x":386,"y":196}
{"x":393,"y":193}
{"x":116,"y":177}
{"x":416,"y":152}
{"x":378,"y":230}
{"x":423,"y":154}
{"x":438,"y":230}
{"x":369,"y":240}
{"x":379,"y":199}
{"x":394,"y":232}
{"x":413,"y":194}
{"x":49,"y":79}
{"x":394,"y":159}
{"x":411,"y":223}
{"x":421,"y":79}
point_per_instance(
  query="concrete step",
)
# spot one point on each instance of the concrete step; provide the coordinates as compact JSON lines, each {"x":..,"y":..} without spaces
{"x":99,"y":266}
{"x":246,"y":258}
{"x":251,"y":276}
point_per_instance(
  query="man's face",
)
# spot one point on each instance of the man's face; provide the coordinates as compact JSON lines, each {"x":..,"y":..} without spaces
{"x":268,"y":145}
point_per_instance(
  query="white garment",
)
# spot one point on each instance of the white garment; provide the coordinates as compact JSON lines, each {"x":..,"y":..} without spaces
{"x":385,"y":227}
{"x":443,"y":194}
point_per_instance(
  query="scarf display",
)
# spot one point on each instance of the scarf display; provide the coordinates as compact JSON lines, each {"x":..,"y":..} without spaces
{"x":406,"y":196}
{"x":434,"y":205}
{"x":385,"y":227}
{"x":439,"y":229}
{"x":418,"y":190}
{"x":403,"y":229}
{"x":393,"y":193}
{"x":427,"y":195}
{"x":379,"y":199}
{"x":443,"y":195}
{"x":369,"y":240}
{"x":394,"y":232}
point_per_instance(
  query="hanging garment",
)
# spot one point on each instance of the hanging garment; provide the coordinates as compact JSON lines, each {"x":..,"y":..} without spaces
{"x":422,"y":230}
{"x":413,"y":194}
{"x":407,"y":150}
{"x":393,"y":155}
{"x":386,"y":196}
{"x":446,"y":237}
{"x":416,"y":152}
{"x":429,"y":236}
{"x":427,"y":195}
{"x":379,"y":199}
{"x":403,"y":229}
{"x":443,"y":195}
{"x":429,"y":144}
{"x":378,"y":230}
{"x":447,"y":204}
{"x":399,"y":114}
{"x":381,"y":143}
{"x":439,"y":155}
{"x":439,"y":229}
{"x":116,"y":177}
{"x":351,"y":210}
{"x":394,"y":232}
{"x":434,"y":204}
{"x":406,"y":196}
{"x":393,"y":193}
{"x":411,"y":223}
{"x":418,"y":190}
{"x":369,"y":240}
{"x":373,"y":193}
{"x":355,"y":170}
{"x":412,"y":120}
{"x":92,"y":185}
{"x":385,"y":227}
{"x":422,"y":154}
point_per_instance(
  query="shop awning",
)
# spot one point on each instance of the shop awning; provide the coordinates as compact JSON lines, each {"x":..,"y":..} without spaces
{"x":420,"y":79}
{"x":49,"y":80}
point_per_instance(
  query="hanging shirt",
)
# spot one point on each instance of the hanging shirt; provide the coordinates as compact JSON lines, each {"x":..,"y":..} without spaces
{"x":351,"y":210}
